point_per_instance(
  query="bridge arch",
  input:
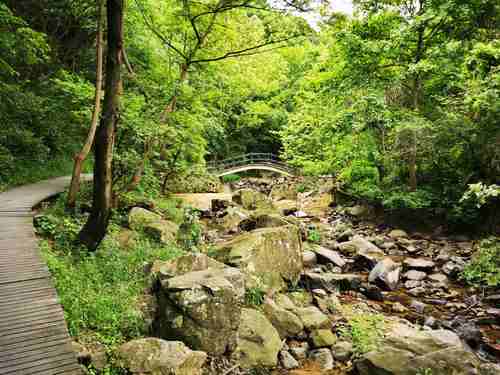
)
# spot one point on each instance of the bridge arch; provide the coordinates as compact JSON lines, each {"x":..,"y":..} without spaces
{"x":252,"y":161}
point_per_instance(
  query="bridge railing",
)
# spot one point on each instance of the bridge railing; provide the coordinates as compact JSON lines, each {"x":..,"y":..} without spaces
{"x":249,"y":159}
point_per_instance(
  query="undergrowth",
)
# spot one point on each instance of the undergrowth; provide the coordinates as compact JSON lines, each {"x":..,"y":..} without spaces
{"x":484,"y":267}
{"x":364,"y":329}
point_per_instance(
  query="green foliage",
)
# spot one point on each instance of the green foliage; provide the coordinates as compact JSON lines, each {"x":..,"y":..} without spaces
{"x":254,"y":296}
{"x":190,"y":231}
{"x":425,"y":371}
{"x":101,"y":293}
{"x":313,"y":235}
{"x":484,"y":268}
{"x":365,"y":330}
{"x":230,"y":178}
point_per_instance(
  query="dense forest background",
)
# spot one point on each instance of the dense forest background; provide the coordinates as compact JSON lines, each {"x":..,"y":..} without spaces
{"x":400,"y":101}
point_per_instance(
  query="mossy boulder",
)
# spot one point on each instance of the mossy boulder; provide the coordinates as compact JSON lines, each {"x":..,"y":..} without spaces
{"x":229,"y":223}
{"x":406,"y":350}
{"x":286,"y":322}
{"x":152,"y":224}
{"x":321,"y":338}
{"x":268,"y":257}
{"x":199,"y":302}
{"x":258,"y":341}
{"x":252,"y":200}
{"x":159,"y":357}
{"x":316,"y":205}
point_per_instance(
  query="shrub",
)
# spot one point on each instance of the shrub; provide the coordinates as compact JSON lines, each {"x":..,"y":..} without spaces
{"x":484,"y":267}
{"x":230,"y":178}
{"x":254,"y":296}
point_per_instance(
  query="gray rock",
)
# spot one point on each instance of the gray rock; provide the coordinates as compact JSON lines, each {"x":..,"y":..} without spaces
{"x":203,"y":308}
{"x":286,"y":322}
{"x":323,"y":357}
{"x":329,"y":256}
{"x":155,"y":356}
{"x":312,"y":317}
{"x":410,"y":284}
{"x":331,"y":281}
{"x":419,"y":263}
{"x":309,"y":258}
{"x":258,"y":341}
{"x":438,"y":278}
{"x":397,"y":233}
{"x":418,"y":291}
{"x":386,"y":272}
{"x":418,"y":306}
{"x":299,"y":352}
{"x":415,"y":275}
{"x":363,"y":250}
{"x":287,"y":360}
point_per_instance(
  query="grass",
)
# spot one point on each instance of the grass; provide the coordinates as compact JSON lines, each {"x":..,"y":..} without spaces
{"x":102,"y":293}
{"x":33,"y":171}
{"x":314,"y":236}
{"x":254,"y":296}
{"x":230,"y":178}
{"x":364,"y":329}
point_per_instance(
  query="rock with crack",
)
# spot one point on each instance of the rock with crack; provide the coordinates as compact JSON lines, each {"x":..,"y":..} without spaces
{"x":406,"y":350}
{"x":258,"y":341}
{"x":386,"y":273}
{"x":158,"y":357}
{"x":201,"y":307}
{"x":268,"y":257}
{"x":363,"y":249}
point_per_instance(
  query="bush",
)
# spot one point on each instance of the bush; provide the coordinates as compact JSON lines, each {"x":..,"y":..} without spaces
{"x":230,"y":178}
{"x":484,"y":267}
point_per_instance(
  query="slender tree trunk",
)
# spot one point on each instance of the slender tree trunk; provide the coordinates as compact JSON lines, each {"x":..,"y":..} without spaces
{"x":82,"y":155}
{"x":95,"y":228}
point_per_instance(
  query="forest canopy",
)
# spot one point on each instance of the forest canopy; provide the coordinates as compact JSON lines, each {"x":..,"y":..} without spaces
{"x":400,"y":100}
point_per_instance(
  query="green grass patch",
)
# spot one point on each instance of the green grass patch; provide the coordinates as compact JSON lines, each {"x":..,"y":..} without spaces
{"x":230,"y":178}
{"x":364,"y":329}
{"x":102,"y":293}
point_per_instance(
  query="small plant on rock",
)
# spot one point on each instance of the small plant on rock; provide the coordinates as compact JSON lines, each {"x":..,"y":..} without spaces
{"x":364,"y":329}
{"x":254,"y":296}
{"x":313,"y":235}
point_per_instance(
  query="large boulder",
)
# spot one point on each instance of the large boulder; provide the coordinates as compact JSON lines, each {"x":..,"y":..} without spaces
{"x":262,"y":219}
{"x":268,"y":257}
{"x":252,"y":200}
{"x":159,"y":357}
{"x":203,"y":306}
{"x":286,"y":322}
{"x":363,"y":249}
{"x":152,"y":224}
{"x":258,"y":341}
{"x":312,"y":317}
{"x":405,"y":350}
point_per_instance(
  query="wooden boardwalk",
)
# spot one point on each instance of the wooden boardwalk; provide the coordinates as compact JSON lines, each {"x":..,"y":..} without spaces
{"x":33,"y":335}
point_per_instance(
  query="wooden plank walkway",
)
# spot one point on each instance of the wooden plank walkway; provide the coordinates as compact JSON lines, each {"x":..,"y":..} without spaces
{"x":33,"y":335}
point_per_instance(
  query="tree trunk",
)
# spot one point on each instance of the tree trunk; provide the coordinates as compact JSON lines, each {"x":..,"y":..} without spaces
{"x":82,"y":155}
{"x":95,"y":228}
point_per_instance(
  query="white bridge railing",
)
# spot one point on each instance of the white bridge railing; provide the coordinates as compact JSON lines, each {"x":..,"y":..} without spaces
{"x":250,"y":160}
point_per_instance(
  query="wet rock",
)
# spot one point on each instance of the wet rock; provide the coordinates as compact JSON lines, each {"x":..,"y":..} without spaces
{"x":363,"y":249}
{"x":287,"y":360}
{"x":323,"y":357}
{"x":397,"y":233}
{"x":342,"y":351}
{"x":286,"y":322}
{"x":405,"y":350}
{"x":155,"y":356}
{"x":312,"y":317}
{"x":468,"y":332}
{"x":386,"y":273}
{"x":268,"y":257}
{"x":321,"y":338}
{"x":372,"y":292}
{"x":309,"y":258}
{"x":415,"y":275}
{"x":419,"y":263}
{"x":328,"y":256}
{"x":203,"y":308}
{"x":258,"y":341}
{"x":251,"y":199}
